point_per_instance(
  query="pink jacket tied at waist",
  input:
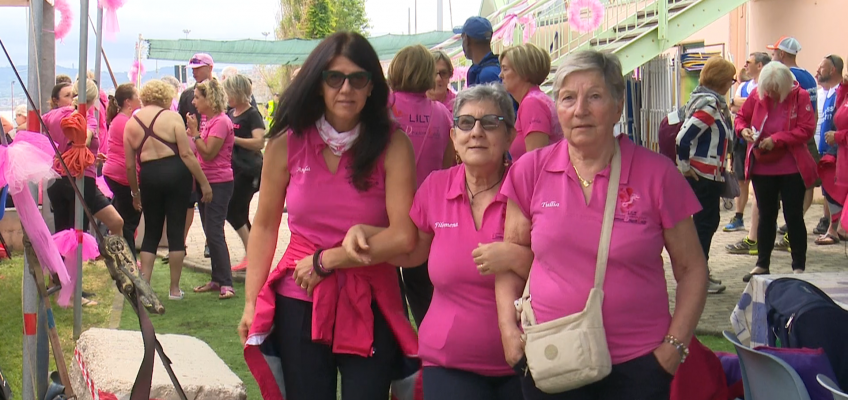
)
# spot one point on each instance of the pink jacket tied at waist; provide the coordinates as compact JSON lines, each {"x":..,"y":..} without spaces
{"x":801,"y":126}
{"x":341,"y":313}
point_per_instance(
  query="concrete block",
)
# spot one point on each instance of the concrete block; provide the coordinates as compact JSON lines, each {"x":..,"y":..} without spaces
{"x":13,"y":234}
{"x":112,"y":358}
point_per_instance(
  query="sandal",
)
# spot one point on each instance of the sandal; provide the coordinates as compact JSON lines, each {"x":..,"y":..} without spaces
{"x":227,"y":292}
{"x":827,"y":239}
{"x":88,"y":302}
{"x":209,"y":287}
{"x":176,"y":298}
{"x":747,"y":277}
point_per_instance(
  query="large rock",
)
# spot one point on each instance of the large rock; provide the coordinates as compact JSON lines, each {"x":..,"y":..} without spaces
{"x":112,"y":357}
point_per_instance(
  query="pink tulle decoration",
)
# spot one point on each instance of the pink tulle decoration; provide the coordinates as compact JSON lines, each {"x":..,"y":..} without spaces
{"x":26,"y":161}
{"x":67,"y":243}
{"x":136,"y":71}
{"x":63,"y":27}
{"x":459,"y":73}
{"x":110,"y":16}
{"x":585,"y":25}
{"x":104,"y":188}
{"x":506,"y":32}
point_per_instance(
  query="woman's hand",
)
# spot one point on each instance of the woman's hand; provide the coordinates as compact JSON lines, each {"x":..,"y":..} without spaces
{"x":101,"y":157}
{"x":191,"y":123}
{"x":356,"y":245}
{"x":690,"y":173}
{"x":206,"y":192}
{"x":668,"y":357}
{"x":305,"y":276}
{"x":748,"y":135}
{"x":245,"y":323}
{"x":830,"y":138}
{"x":137,"y":202}
{"x":513,"y":344}
{"x":491,"y":258}
{"x":767,"y":144}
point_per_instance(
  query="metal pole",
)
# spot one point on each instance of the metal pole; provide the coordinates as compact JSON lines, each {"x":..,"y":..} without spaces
{"x":97,"y":61}
{"x":440,"y":10}
{"x":78,"y":214}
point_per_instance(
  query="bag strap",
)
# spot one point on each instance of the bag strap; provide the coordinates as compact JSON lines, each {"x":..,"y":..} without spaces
{"x":523,"y":304}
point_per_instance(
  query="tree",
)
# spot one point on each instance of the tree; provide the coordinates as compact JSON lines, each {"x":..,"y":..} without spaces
{"x":350,"y":16}
{"x":320,"y":20}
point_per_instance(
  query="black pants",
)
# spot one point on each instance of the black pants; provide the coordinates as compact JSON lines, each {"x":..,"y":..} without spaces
{"x":706,"y":221}
{"x":642,"y":378}
{"x":453,"y":384}
{"x":62,"y":197}
{"x":244,"y":187}
{"x":123,"y":202}
{"x":213,"y":215}
{"x":770,"y":191}
{"x":417,"y":290}
{"x":310,"y":369}
{"x":165,"y":186}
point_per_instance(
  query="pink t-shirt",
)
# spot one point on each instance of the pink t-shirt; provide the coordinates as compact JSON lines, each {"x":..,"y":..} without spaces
{"x":777,"y":121}
{"x":103,"y":131}
{"x":322,"y":206}
{"x":53,"y":120}
{"x":428,"y":124}
{"x":460,"y":330}
{"x":536,"y":113}
{"x":565,"y":235}
{"x":220,"y":168}
{"x":115,"y":166}
{"x":450,"y":98}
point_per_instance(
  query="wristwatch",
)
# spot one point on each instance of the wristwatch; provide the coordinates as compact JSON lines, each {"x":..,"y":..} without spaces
{"x":196,"y":138}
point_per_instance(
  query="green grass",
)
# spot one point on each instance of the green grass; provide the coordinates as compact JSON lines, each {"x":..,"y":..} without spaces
{"x":96,"y":280}
{"x":200,"y":315}
{"x":717,"y":343}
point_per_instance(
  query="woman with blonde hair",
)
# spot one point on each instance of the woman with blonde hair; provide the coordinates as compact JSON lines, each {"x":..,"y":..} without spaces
{"x":444,"y":71}
{"x":215,"y":151}
{"x":702,"y":148}
{"x":523,"y":69}
{"x":777,"y":121}
{"x":428,"y":124}
{"x":155,"y":138}
{"x":249,"y":130}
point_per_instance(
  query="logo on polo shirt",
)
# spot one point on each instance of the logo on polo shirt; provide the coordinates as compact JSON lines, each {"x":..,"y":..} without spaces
{"x":447,"y":224}
{"x":549,"y":204}
{"x":301,"y":170}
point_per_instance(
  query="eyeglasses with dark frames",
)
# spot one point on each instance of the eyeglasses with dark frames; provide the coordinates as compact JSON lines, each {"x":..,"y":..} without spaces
{"x":487,"y":122}
{"x":336,"y":79}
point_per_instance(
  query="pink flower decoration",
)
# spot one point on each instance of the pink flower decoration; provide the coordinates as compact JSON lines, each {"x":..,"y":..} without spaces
{"x":136,"y":70}
{"x":63,"y":27}
{"x":576,"y":20}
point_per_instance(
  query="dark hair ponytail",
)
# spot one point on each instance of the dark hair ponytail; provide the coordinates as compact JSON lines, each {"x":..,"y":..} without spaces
{"x":122,"y":94}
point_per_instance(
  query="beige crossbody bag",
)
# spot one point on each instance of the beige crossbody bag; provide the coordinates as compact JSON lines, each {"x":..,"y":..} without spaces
{"x":571,"y":352}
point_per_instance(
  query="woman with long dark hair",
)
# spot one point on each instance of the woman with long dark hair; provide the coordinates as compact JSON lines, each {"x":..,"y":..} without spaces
{"x":121,"y":107}
{"x":335,"y":159}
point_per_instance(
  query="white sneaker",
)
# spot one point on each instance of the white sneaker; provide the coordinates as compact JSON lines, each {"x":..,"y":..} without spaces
{"x":715,"y":287}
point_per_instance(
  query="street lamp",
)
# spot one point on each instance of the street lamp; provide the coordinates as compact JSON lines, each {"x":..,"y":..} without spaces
{"x":186,"y":31}
{"x":266,"y":34}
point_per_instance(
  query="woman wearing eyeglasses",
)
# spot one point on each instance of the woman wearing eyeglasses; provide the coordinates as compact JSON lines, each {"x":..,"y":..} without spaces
{"x":428,"y":124}
{"x":441,"y":91}
{"x":335,"y":159}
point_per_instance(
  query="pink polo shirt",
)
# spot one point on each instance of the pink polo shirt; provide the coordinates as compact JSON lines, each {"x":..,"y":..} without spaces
{"x":115,"y":166}
{"x":53,"y":120}
{"x":322,"y":206}
{"x":450,"y":99}
{"x":565,"y":234}
{"x":536,"y":113}
{"x":428,"y":124}
{"x":460,"y":330}
{"x":220,"y":168}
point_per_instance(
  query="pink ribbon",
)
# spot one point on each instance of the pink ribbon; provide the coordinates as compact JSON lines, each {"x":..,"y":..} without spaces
{"x":506,"y":32}
{"x":110,"y":17}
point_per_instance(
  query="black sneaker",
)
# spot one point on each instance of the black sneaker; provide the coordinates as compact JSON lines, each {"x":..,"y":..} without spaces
{"x":822,"y":227}
{"x":782,"y":230}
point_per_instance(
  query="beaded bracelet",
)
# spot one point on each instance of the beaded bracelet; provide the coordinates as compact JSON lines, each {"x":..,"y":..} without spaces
{"x":682,"y":349}
{"x":318,"y":264}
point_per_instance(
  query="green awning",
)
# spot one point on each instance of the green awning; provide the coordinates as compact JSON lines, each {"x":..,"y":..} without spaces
{"x":276,"y":52}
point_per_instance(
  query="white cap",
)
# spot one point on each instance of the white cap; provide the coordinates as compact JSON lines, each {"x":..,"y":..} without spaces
{"x":787,"y":44}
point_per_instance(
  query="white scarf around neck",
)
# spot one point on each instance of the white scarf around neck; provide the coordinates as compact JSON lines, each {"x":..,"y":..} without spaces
{"x":339,"y":142}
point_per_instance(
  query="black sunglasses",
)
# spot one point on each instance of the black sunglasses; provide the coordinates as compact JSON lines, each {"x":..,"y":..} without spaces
{"x":336,"y":79}
{"x":443,"y":74}
{"x":488,"y":122}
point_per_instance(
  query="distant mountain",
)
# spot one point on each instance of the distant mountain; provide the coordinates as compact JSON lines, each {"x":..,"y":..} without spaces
{"x":7,"y":78}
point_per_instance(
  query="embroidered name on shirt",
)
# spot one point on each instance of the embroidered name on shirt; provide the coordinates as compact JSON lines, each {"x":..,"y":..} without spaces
{"x":447,"y":224}
{"x":301,"y":170}
{"x":549,"y":204}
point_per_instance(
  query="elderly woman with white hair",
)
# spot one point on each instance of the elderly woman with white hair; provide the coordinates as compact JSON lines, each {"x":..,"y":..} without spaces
{"x":563,"y":194}
{"x":777,"y":121}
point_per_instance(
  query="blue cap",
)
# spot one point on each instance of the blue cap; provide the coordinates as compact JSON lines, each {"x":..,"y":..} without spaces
{"x":478,"y":28}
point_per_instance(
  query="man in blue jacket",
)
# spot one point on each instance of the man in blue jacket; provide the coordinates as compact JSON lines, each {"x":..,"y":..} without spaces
{"x":477,"y":46}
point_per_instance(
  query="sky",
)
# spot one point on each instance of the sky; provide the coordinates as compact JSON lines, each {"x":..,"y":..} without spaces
{"x":212,"y":20}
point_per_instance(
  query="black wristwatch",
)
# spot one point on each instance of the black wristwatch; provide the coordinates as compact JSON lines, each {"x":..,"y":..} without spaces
{"x":196,"y":138}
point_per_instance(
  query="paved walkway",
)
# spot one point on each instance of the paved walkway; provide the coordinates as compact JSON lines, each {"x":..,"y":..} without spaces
{"x":727,"y":267}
